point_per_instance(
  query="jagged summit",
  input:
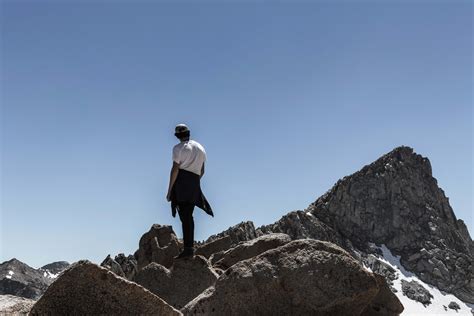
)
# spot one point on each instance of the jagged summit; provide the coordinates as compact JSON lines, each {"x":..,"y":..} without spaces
{"x":396,"y":201}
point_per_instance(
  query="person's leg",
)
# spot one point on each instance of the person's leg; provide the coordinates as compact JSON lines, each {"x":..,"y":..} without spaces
{"x":185,"y":211}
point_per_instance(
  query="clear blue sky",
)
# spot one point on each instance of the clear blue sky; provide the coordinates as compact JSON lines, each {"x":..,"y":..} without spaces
{"x":286,"y":98}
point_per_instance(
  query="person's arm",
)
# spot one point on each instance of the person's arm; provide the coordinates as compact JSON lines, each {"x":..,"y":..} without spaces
{"x":202,"y":171}
{"x":173,"y":175}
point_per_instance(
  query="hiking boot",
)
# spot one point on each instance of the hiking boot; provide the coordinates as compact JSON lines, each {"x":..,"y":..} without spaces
{"x":187,"y":252}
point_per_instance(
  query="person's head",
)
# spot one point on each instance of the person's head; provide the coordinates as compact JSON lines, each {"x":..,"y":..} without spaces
{"x":181,"y":131}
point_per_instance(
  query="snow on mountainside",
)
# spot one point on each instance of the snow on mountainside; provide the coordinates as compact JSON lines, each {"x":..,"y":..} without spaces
{"x":440,"y":301}
{"x":18,"y":278}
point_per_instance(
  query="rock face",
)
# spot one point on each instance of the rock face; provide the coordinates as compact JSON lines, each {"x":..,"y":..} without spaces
{"x":251,"y":248}
{"x":185,"y":280}
{"x":121,"y":265}
{"x":14,"y":305}
{"x":19,"y":279}
{"x":159,"y":245}
{"x":302,"y":277}
{"x":396,"y":201}
{"x":88,"y":289}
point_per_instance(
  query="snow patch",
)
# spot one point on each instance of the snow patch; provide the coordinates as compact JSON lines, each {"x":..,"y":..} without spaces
{"x":51,"y":275}
{"x":10,"y":273}
{"x":439,"y":300}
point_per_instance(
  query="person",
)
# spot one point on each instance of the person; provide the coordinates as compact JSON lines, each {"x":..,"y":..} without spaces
{"x":184,"y":190}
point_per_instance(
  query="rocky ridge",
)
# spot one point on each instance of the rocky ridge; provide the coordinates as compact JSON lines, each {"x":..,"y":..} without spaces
{"x":19,"y":279}
{"x":290,"y":258}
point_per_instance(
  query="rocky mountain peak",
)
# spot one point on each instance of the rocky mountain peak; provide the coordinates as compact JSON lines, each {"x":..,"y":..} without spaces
{"x":397,"y":202}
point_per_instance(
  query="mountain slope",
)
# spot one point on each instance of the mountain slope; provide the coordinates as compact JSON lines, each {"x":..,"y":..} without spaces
{"x":19,"y":279}
{"x":396,"y":201}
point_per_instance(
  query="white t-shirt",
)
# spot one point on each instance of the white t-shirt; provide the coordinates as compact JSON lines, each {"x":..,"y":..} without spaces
{"x":190,"y":155}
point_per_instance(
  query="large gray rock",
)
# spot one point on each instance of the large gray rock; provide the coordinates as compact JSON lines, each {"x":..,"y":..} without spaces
{"x":88,"y":289}
{"x":416,"y":292}
{"x":397,"y":202}
{"x":214,"y":246}
{"x":159,"y":245}
{"x":302,"y":277}
{"x":300,"y":224}
{"x":251,"y":248}
{"x":15,"y":305}
{"x":185,"y":280}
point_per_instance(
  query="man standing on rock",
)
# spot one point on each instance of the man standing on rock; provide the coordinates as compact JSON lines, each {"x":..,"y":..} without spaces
{"x":184,"y":189}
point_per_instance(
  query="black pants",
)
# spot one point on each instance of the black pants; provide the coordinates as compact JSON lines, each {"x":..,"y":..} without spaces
{"x":185,"y":211}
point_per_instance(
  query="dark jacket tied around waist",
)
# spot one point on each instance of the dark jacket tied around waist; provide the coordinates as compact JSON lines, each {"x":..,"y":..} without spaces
{"x":187,"y":189}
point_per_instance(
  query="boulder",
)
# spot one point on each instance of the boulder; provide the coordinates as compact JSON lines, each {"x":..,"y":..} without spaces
{"x":302,"y":277}
{"x":251,"y":248}
{"x":159,"y":245}
{"x":416,"y":292}
{"x":216,"y":256}
{"x":185,"y":279}
{"x":385,"y":302}
{"x":454,"y":305}
{"x":220,"y":244}
{"x":14,"y":305}
{"x":85,"y":288}
{"x":300,"y":224}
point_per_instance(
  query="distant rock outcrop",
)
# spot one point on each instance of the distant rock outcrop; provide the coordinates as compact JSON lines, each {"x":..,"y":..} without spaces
{"x":121,"y":265}
{"x":185,"y":279}
{"x":88,"y":289}
{"x":302,"y":277}
{"x":396,"y":201}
